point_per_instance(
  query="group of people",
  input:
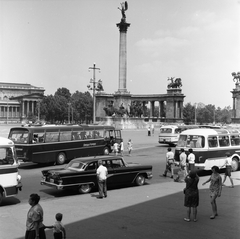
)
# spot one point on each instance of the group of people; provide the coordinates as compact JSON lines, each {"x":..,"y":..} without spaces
{"x":35,"y":229}
{"x":120,"y":147}
{"x":187,"y":166}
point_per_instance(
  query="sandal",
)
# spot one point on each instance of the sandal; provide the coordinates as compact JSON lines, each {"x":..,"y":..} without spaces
{"x":194,"y":220}
{"x":212,"y":217}
{"x":186,"y":219}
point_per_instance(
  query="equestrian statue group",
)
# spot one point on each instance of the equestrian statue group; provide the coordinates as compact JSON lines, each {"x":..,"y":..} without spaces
{"x":175,"y":83}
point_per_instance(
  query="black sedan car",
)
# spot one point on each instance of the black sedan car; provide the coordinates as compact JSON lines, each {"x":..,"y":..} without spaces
{"x":80,"y":173}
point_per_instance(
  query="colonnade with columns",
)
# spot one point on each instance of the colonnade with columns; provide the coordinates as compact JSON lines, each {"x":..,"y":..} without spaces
{"x":236,"y":104}
{"x":19,"y":110}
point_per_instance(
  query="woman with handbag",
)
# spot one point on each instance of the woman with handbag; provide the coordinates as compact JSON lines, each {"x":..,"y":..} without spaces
{"x":191,"y":200}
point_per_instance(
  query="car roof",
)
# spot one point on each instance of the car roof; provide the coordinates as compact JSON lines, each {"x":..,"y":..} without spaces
{"x":96,"y":158}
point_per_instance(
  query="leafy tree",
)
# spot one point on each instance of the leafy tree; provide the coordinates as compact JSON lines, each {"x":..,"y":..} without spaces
{"x":188,"y":113}
{"x":63,"y":92}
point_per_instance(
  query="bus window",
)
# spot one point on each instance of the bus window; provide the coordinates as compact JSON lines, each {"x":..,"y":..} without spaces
{"x":200,"y":143}
{"x":235,"y":140}
{"x":166,"y":130}
{"x":223,"y":141}
{"x":212,"y":142}
{"x":6,"y":156}
{"x":65,"y":136}
{"x":52,"y":137}
{"x":89,"y":134}
{"x":182,"y":141}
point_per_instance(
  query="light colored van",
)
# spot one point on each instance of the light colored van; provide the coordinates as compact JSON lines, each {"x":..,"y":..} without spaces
{"x":10,"y":180}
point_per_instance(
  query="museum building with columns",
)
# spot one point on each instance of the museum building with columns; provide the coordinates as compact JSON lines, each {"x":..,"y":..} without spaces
{"x":18,"y":100}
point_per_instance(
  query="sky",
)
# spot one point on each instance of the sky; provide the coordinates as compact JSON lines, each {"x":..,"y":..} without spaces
{"x":52,"y":44}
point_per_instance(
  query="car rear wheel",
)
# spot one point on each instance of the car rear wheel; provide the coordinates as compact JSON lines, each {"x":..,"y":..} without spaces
{"x":140,"y":180}
{"x":235,"y":164}
{"x":86,"y":188}
{"x":61,"y":158}
{"x":106,"y":151}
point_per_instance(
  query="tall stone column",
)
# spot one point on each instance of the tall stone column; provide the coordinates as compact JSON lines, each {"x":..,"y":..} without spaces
{"x":122,"y":84}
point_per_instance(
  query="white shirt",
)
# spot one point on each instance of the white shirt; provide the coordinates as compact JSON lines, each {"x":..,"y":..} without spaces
{"x":102,"y":172}
{"x":183,"y":158}
{"x":191,"y":158}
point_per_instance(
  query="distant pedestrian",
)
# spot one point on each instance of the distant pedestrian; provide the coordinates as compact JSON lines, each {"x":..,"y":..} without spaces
{"x":191,"y":199}
{"x":59,"y":231}
{"x":191,"y":160}
{"x":115,"y":148}
{"x":149,"y":131}
{"x":130,"y":146}
{"x":228,"y":170}
{"x":121,"y":147}
{"x":169,"y":163}
{"x":102,"y":173}
{"x":152,"y":126}
{"x":34,"y":224}
{"x":215,"y":189}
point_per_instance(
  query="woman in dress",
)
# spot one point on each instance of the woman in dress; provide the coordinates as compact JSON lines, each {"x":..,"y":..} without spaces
{"x":191,"y":199}
{"x":215,"y":189}
{"x":34,"y":224}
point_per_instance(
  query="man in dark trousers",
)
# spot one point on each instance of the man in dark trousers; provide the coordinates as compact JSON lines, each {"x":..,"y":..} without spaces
{"x":102,"y":179}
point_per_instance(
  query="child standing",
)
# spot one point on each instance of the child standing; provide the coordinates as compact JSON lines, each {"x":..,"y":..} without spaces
{"x":59,"y":231}
{"x":129,"y":145}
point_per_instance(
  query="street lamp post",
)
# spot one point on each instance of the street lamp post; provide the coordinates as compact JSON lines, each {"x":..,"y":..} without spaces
{"x":38,"y":110}
{"x":69,"y":105}
{"x":195,"y":113}
{"x":93,"y":81}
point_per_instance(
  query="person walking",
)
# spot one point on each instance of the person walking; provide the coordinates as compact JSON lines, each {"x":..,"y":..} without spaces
{"x":102,"y":173}
{"x":215,"y":189}
{"x":59,"y":231}
{"x":228,"y":164}
{"x":191,"y":199}
{"x":191,"y":160}
{"x":34,"y":223}
{"x":183,"y":166}
{"x":169,"y":163}
{"x":130,"y":146}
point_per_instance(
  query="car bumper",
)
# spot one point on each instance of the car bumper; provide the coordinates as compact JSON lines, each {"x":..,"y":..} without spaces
{"x":52,"y":185}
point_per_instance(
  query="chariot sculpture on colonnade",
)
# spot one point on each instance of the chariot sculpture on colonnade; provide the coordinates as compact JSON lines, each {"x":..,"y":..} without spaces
{"x":177,"y":83}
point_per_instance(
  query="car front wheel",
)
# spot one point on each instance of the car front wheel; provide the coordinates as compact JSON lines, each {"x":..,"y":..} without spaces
{"x":86,"y":188}
{"x":140,"y":180}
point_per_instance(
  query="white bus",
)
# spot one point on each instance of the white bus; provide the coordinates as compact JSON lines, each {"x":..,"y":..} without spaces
{"x":169,"y":134}
{"x":10,"y":180}
{"x":210,"y":146}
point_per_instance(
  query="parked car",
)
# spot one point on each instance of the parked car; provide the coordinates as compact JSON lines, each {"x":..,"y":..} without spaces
{"x":80,"y":173}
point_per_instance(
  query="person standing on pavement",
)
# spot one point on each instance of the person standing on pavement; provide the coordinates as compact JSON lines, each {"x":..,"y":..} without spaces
{"x":228,"y":164}
{"x":59,"y":231}
{"x":102,"y":173}
{"x":215,"y":189}
{"x":149,"y":131}
{"x":34,"y":223}
{"x":129,"y":145}
{"x":121,"y":147}
{"x":169,"y":163}
{"x":115,"y":148}
{"x":191,"y":160}
{"x":191,"y":199}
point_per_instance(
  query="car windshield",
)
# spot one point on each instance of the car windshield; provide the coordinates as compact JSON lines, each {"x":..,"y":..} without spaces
{"x":75,"y":165}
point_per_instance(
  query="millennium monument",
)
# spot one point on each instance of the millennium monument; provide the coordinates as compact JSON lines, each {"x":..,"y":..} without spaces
{"x":170,"y":104}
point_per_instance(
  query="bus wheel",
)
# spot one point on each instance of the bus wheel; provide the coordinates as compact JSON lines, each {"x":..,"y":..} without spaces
{"x":61,"y":158}
{"x":1,"y":196}
{"x":86,"y":188}
{"x":140,"y":180}
{"x":235,"y":164}
{"x":106,"y":151}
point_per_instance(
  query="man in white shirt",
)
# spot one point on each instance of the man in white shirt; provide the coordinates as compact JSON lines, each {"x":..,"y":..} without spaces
{"x":102,"y":173}
{"x":191,"y":160}
{"x":169,"y":162}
